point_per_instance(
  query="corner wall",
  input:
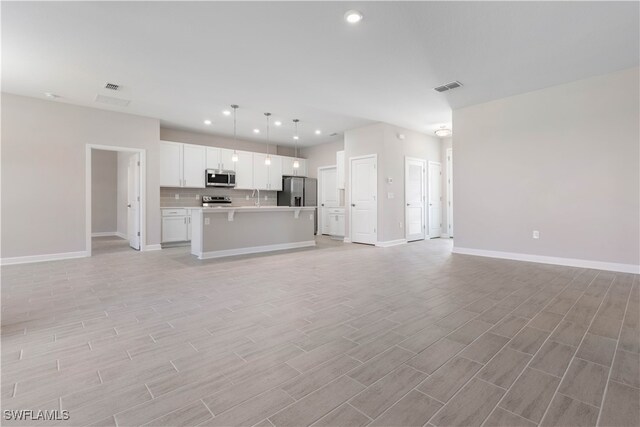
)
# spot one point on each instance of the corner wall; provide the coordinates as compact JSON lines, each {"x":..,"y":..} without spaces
{"x":563,"y":161}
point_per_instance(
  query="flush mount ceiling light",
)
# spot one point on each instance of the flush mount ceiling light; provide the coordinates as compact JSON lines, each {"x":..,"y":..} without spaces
{"x":443,"y":132}
{"x":207,"y":122}
{"x":277,"y":123}
{"x":296,"y":137}
{"x":256,"y":131}
{"x":353,"y":16}
{"x":226,"y":112}
{"x":51,"y":95}
{"x":234,"y":156}
{"x":318,"y":132}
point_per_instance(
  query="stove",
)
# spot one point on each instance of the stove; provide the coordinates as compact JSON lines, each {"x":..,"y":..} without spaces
{"x":215,"y":201}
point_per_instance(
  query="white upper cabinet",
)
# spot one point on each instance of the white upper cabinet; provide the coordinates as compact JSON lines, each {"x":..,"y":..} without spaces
{"x":275,"y":173}
{"x":226,"y":162}
{"x":213,"y":158}
{"x":289,"y":170}
{"x":260,"y":172}
{"x":194,"y":161}
{"x":340,"y":170}
{"x":244,"y":171}
{"x":182,"y":165}
{"x":170,"y":164}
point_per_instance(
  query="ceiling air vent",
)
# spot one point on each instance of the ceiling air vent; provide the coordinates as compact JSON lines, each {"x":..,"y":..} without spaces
{"x":333,"y":134}
{"x":112,"y":86}
{"x":448,"y":86}
{"x":112,"y":101}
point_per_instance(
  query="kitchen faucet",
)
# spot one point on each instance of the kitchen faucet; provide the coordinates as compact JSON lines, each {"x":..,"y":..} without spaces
{"x":257,"y":202}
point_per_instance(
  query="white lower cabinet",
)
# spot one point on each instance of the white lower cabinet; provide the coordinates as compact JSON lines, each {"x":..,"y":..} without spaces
{"x":176,"y":225}
{"x":336,"y":222}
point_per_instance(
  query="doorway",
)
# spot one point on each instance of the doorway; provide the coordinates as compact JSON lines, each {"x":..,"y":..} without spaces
{"x":329,"y":198}
{"x":363,"y":204}
{"x":414,"y":188}
{"x":115,"y":202}
{"x":435,"y":199}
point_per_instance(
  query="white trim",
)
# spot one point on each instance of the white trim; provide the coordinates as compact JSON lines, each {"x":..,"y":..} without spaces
{"x":449,"y":190}
{"x":41,"y":258}
{"x":430,"y":164}
{"x":346,"y":240}
{"x":348,"y":196}
{"x":570,"y":262}
{"x":254,"y":249}
{"x":143,"y":191}
{"x":390,"y":243}
{"x":149,"y":248}
{"x":108,"y":234}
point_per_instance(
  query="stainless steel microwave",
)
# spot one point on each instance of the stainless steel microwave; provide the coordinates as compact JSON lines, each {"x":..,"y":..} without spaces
{"x":217,"y":178}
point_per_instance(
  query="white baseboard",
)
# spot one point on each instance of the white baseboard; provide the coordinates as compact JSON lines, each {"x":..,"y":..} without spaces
{"x":152,"y":248}
{"x":104,"y":234}
{"x":389,"y":243}
{"x":121,"y":235}
{"x":42,"y":258}
{"x":569,"y":262}
{"x":255,"y":249}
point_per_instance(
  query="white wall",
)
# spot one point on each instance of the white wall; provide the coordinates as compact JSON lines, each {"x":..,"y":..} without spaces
{"x":562,"y":160}
{"x":123,"y":192}
{"x":383,"y":139}
{"x":104,"y":190}
{"x":43,"y":171}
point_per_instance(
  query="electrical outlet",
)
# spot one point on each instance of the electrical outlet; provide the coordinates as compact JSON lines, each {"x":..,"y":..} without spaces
{"x":207,"y":221}
{"x":266,"y":197}
{"x":400,"y":224}
{"x":197,"y":197}
{"x":390,"y":195}
{"x":177,"y":196}
{"x":536,"y":234}
{"x":311,"y":217}
{"x":246,"y":197}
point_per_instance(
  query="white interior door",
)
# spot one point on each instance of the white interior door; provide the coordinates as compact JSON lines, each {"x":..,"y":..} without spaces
{"x":450,"y":192}
{"x":364,"y":205}
{"x":435,"y":199}
{"x":414,"y":186}
{"x":328,"y":196}
{"x":133,"y":201}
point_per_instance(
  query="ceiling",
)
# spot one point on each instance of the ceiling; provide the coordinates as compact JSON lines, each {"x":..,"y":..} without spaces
{"x":184,"y":62}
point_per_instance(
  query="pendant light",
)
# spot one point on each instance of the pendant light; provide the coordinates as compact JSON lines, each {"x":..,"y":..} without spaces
{"x":296,"y":163}
{"x":267,"y":160}
{"x":234,"y":156}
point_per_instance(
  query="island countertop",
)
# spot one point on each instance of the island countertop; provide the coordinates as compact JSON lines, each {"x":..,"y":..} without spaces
{"x":253,"y":208}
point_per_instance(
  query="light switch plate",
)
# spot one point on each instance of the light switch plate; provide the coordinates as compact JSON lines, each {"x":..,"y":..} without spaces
{"x":390,"y":195}
{"x":177,"y":196}
{"x":207,"y":221}
{"x":536,"y":234}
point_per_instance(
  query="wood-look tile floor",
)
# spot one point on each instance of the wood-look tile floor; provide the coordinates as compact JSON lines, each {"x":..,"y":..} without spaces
{"x":338,"y":335}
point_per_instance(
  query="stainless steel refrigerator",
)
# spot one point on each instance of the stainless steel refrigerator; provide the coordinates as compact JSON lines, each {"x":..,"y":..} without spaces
{"x":299,"y":191}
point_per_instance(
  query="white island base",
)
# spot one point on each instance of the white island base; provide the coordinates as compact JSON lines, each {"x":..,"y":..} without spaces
{"x":228,"y":231}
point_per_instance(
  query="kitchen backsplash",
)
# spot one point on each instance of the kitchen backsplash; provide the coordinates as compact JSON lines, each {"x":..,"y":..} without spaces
{"x":191,"y":197}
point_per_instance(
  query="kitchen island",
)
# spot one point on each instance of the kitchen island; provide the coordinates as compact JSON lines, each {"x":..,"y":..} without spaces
{"x":227,"y":231}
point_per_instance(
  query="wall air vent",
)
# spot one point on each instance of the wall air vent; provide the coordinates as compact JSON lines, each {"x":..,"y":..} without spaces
{"x":113,"y":101}
{"x":333,"y":134}
{"x":112,"y":86}
{"x":448,"y":86}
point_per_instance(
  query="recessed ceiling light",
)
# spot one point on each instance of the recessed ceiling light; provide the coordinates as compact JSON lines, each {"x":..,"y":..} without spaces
{"x":296,"y":137}
{"x":256,"y":131}
{"x":207,"y":122}
{"x":353,"y":16}
{"x":51,"y":95}
{"x":277,"y":123}
{"x":226,"y":112}
{"x":318,"y":132}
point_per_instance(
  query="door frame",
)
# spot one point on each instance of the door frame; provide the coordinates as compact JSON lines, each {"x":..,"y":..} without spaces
{"x":428,"y":174}
{"x":424,"y":195}
{"x":449,"y":189}
{"x":87,"y":191}
{"x":320,"y":208}
{"x":351,"y":159}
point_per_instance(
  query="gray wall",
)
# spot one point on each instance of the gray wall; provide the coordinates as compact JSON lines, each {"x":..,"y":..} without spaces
{"x":382,"y":139}
{"x":43,"y":171}
{"x":321,"y":155}
{"x":562,"y":160}
{"x":104,"y":188}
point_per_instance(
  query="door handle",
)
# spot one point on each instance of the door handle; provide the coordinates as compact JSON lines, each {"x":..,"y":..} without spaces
{"x":128,"y":205}
{"x":322,"y":204}
{"x":353,"y":205}
{"x":408,"y":204}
